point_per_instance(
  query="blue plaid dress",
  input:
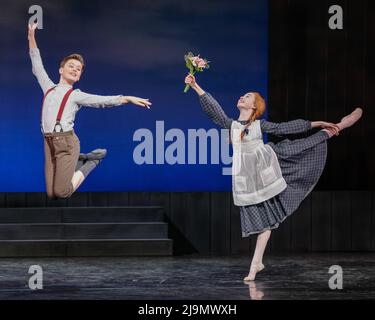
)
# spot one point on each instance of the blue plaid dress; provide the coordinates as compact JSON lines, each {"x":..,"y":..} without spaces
{"x":301,"y":161}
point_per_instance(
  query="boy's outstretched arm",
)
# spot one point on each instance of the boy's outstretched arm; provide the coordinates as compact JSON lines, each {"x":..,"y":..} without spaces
{"x":98,"y":101}
{"x":37,"y":65}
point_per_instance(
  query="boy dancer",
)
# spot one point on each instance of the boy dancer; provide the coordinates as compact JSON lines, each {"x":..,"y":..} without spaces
{"x":63,"y":172}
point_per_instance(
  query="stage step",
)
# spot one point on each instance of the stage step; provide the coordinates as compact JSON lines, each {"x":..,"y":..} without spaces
{"x":84,"y":231}
{"x":131,"y":230}
{"x":85,"y":247}
{"x":81,"y":214}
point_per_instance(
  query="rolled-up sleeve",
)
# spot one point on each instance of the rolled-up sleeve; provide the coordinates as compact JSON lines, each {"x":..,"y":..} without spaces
{"x":282,"y":128}
{"x":96,"y":101}
{"x":215,"y":112}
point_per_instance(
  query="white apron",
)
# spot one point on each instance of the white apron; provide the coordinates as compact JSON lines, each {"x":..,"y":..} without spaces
{"x":256,"y":173}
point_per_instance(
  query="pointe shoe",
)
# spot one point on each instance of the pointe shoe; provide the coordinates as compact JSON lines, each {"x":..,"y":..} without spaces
{"x":96,"y":154}
{"x":253,"y":271}
{"x":350,"y":119}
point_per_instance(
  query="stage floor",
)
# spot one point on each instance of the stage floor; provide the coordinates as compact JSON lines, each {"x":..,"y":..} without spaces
{"x":287,"y":276}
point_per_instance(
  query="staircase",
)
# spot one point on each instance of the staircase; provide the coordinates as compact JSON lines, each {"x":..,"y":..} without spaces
{"x":84,"y":231}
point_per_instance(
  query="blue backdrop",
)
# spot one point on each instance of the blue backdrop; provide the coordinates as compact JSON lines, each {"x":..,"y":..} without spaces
{"x":131,"y":48}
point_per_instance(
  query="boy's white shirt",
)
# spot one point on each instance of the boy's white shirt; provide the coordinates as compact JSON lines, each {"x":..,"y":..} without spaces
{"x":53,"y":100}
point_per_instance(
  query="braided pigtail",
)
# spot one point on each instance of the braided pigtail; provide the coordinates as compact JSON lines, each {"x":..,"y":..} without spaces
{"x":259,"y":107}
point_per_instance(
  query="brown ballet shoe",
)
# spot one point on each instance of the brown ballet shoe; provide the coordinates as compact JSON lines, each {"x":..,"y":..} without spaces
{"x":254,"y":269}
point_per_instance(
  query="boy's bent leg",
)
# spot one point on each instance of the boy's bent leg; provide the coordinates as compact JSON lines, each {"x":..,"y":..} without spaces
{"x":83,"y":172}
{"x":77,"y":179}
{"x":96,"y":154}
{"x":86,"y":163}
{"x":67,"y":152}
{"x":49,"y":168}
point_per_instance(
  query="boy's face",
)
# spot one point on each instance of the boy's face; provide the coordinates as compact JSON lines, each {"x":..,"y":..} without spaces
{"x":71,"y":71}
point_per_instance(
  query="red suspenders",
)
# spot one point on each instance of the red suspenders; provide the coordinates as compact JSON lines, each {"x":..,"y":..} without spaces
{"x":41,"y":112}
{"x":61,"y":110}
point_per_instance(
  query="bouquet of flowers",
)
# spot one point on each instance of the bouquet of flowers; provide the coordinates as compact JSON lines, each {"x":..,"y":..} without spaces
{"x":195,"y":64}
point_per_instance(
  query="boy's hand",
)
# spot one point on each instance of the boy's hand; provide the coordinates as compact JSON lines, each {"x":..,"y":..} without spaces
{"x":137,"y":101}
{"x":31,"y":34}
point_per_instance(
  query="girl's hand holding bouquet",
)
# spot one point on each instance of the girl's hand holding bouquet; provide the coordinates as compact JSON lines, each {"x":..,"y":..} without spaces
{"x":194,"y":64}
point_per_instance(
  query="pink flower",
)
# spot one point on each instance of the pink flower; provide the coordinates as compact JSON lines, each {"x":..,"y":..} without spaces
{"x":195,"y":60}
{"x":202,"y":63}
{"x":194,"y":64}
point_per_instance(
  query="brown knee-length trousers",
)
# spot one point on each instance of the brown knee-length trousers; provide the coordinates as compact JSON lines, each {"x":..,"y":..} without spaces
{"x":61,"y":152}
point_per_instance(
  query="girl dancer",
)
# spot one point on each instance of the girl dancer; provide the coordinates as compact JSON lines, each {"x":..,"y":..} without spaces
{"x":63,"y":172}
{"x":270,"y":180}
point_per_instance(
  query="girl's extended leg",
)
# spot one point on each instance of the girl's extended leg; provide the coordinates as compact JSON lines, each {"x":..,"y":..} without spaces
{"x":257,"y":262}
{"x":347,"y":121}
{"x":288,"y":148}
{"x":294,"y":147}
{"x":350,"y":119}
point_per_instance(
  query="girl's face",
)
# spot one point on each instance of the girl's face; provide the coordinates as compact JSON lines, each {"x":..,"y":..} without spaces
{"x":246,"y":101}
{"x":71,"y":71}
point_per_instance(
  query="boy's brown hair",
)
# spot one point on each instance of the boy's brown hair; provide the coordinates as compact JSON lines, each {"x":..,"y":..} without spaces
{"x":74,"y":56}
